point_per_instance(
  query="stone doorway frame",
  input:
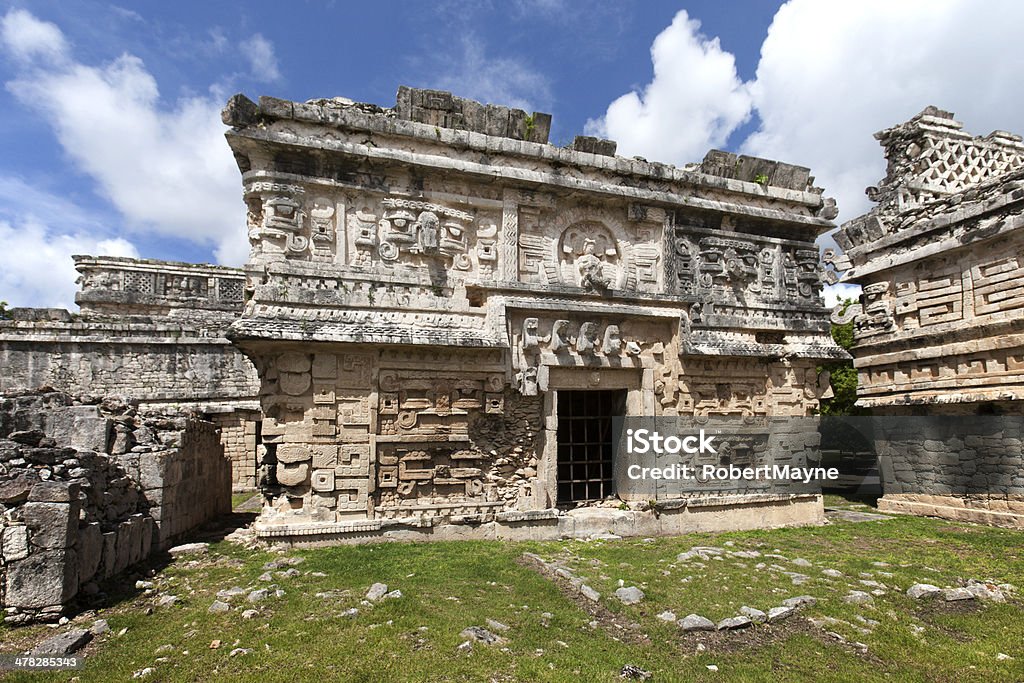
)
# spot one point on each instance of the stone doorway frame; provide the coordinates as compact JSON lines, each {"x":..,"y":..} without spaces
{"x":638,"y":384}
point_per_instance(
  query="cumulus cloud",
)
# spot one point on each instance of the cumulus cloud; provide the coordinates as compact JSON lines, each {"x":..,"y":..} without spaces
{"x":35,"y":264}
{"x":831,"y":74}
{"x":499,"y":80}
{"x":166,"y":168}
{"x":27,"y":38}
{"x":259,"y":52}
{"x":693,"y":102}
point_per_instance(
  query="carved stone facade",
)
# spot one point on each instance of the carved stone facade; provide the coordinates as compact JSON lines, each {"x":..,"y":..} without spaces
{"x":426,"y":283}
{"x":149,"y":330}
{"x":940,"y":326}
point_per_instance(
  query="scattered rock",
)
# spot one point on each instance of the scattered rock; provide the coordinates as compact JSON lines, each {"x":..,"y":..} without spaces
{"x":258,"y":595}
{"x":250,"y":614}
{"x":985,"y":591}
{"x":392,"y":595}
{"x":800,"y":601}
{"x":858,"y":598}
{"x":496,"y":625}
{"x":801,"y":562}
{"x":233,"y":592}
{"x":630,"y":595}
{"x":99,"y":627}
{"x":481,"y":635}
{"x":1002,"y":657}
{"x":465,"y":647}
{"x":667,"y":616}
{"x":589,"y":593}
{"x":143,"y":585}
{"x":756,"y":615}
{"x":732,"y":623}
{"x":266,"y":576}
{"x":695,"y":622}
{"x":376,"y":592}
{"x":711,"y":667}
{"x":779,"y":613}
{"x":239,"y":651}
{"x":634,"y":673}
{"x":163,"y":650}
{"x":167,"y":601}
{"x":189,"y":549}
{"x":219,"y":606}
{"x":923,"y":590}
{"x":64,"y":643}
{"x":954,"y":594}
{"x":143,"y":673}
{"x":832,"y":573}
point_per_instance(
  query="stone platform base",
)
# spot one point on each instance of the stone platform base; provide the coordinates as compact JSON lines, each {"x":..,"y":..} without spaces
{"x":723,"y":513}
{"x":1005,"y":511}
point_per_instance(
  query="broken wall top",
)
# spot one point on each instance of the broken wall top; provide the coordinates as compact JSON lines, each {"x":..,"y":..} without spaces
{"x":126,"y":286}
{"x":942,"y":186}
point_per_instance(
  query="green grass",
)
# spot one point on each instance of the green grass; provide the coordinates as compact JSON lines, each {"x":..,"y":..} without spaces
{"x":240,"y":498}
{"x":450,"y":586}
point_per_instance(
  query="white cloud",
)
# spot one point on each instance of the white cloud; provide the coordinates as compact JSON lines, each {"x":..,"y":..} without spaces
{"x":166,"y":168}
{"x":835,"y":293}
{"x":27,"y":38}
{"x":40,"y":231}
{"x":259,"y":52}
{"x":831,"y":74}
{"x":473,"y":74}
{"x":36,"y":267}
{"x":692,"y":104}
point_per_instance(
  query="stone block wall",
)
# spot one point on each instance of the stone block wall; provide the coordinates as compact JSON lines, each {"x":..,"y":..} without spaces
{"x":89,"y":489}
{"x":239,"y":434}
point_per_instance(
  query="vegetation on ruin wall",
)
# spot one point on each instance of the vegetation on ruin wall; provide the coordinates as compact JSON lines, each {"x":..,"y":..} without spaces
{"x":310,"y":635}
{"x":843,"y":376}
{"x":4,"y":313}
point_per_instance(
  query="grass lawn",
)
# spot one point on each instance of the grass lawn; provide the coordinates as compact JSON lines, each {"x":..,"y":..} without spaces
{"x":447,"y":587}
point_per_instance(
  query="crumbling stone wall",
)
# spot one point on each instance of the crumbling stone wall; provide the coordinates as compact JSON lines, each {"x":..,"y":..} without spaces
{"x":89,"y":488}
{"x":153,"y":330}
{"x":940,"y":326}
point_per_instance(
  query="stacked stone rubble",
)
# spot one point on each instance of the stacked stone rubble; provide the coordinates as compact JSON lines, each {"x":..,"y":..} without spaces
{"x":89,"y":488}
{"x":153,"y":330}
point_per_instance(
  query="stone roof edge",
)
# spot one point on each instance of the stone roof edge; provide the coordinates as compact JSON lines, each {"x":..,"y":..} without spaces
{"x":341,"y":116}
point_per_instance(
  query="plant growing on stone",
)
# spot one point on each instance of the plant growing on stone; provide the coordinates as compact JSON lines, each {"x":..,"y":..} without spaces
{"x":4,"y":313}
{"x":761,"y":179}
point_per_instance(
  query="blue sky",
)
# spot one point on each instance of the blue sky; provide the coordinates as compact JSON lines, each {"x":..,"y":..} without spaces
{"x":111,"y":140}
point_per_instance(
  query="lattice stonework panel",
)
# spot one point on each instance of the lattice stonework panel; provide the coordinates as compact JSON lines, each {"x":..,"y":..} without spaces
{"x":138,"y":282}
{"x":952,"y":165}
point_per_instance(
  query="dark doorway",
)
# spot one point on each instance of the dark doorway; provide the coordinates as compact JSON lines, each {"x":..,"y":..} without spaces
{"x":585,"y":443}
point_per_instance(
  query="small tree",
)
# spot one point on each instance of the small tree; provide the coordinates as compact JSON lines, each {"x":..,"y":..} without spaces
{"x":843,"y":376}
{"x":4,"y":313}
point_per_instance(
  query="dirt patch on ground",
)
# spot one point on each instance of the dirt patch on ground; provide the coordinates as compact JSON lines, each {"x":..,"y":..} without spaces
{"x":615,"y":625}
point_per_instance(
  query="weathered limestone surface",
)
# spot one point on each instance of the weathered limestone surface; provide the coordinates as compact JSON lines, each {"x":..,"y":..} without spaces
{"x":152,"y":330}
{"x":940,"y":327}
{"x":87,"y":490}
{"x":428,"y":280}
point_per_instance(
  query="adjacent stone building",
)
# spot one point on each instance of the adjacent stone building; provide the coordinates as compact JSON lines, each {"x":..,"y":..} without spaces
{"x":149,"y":330}
{"x":446,"y":312}
{"x":940,"y":327}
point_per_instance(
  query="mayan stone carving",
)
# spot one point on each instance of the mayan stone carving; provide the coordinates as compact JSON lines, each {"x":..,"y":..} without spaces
{"x":938,"y":328}
{"x":429,"y":283}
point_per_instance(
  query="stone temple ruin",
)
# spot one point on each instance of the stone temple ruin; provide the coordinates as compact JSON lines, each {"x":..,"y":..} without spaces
{"x":939,"y":330}
{"x":152,"y":331}
{"x":446,"y":312}
{"x":442,"y":314}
